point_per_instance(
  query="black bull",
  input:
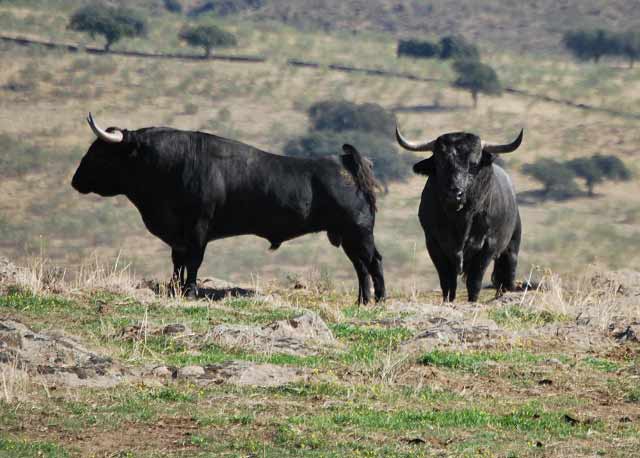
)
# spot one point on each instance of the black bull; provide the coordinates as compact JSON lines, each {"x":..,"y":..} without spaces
{"x":192,"y":187}
{"x":468,"y":211}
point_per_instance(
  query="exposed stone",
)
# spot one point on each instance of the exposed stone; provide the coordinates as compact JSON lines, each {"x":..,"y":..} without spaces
{"x":162,"y":371}
{"x":418,"y":315}
{"x":57,"y":358}
{"x":303,"y":335}
{"x":190,"y":372}
{"x":245,"y":373}
{"x":174,"y":329}
{"x":8,"y":270}
{"x":455,"y":335}
{"x":625,"y":331}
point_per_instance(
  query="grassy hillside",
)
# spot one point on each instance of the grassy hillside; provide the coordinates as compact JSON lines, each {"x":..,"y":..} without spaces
{"x":495,"y":24}
{"x":46,"y":94}
{"x":104,"y":367}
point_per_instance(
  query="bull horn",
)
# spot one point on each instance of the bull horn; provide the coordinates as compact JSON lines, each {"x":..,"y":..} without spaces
{"x":502,"y":149}
{"x":427,"y":146}
{"x":109,"y":137}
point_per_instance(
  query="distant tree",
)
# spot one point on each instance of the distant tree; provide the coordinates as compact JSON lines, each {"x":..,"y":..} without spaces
{"x":388,"y":165}
{"x":557,"y":178}
{"x":588,"y":170}
{"x":592,"y":44}
{"x":476,"y":78}
{"x":458,"y":48}
{"x":612,"y":167}
{"x":224,"y":7}
{"x":598,"y":168}
{"x":173,"y":6}
{"x":208,"y":37}
{"x":369,"y":127}
{"x":110,"y":22}
{"x":419,"y":49}
{"x":342,"y":115}
{"x":630,"y":46}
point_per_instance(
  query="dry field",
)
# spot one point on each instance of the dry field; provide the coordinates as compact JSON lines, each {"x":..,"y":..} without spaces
{"x":88,"y":352}
{"x":43,"y":130}
{"x":105,"y":366}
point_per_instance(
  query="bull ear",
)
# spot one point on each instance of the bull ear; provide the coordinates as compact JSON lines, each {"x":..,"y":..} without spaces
{"x":487,"y":159}
{"x":425,"y":167}
{"x":349,"y":149}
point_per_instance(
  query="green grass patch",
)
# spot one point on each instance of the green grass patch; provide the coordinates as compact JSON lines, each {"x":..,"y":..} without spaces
{"x":527,"y":418}
{"x":214,"y":354}
{"x":25,"y":301}
{"x":475,"y":361}
{"x":514,"y":316}
{"x":633,"y":395}
{"x":25,"y":449}
{"x":364,"y":313}
{"x":170,"y":394}
{"x":603,"y":365}
{"x":365,"y":343}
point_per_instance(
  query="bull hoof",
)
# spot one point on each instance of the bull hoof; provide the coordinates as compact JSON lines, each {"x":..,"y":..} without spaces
{"x":190,"y":292}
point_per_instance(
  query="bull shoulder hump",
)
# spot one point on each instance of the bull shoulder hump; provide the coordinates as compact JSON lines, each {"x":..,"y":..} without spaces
{"x":504,"y":178}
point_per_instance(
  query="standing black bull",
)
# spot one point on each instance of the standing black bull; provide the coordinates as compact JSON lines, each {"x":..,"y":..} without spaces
{"x":192,"y":187}
{"x":468,"y":211}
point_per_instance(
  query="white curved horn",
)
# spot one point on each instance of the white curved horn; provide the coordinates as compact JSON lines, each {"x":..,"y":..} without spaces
{"x":503,"y":149}
{"x":426,"y":146}
{"x":109,"y":137}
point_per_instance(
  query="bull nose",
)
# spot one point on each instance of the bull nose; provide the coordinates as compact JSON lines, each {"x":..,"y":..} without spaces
{"x":459,"y":196}
{"x":75,"y":184}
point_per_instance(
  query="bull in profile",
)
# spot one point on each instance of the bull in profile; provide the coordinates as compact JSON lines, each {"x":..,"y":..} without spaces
{"x":468,"y":211}
{"x":192,"y":187}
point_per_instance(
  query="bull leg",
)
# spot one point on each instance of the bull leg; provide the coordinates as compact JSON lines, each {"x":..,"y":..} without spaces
{"x":504,"y":269}
{"x":193,"y":258}
{"x":446,"y":272}
{"x":377,"y":275}
{"x":475,"y":273}
{"x":361,"y":255}
{"x":179,"y":268}
{"x":193,"y":262}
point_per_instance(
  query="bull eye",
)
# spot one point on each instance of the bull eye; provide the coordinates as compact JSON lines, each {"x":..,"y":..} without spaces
{"x":474,"y":168}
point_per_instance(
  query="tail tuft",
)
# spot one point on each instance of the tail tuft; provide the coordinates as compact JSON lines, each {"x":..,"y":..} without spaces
{"x":362,"y":171}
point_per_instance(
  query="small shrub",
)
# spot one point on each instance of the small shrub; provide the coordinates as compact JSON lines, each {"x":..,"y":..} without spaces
{"x":416,"y":48}
{"x":225,"y":7}
{"x":476,"y":77}
{"x":112,"y":23}
{"x":458,"y":48}
{"x":388,"y":165}
{"x":207,"y":36}
{"x":594,"y":170}
{"x":173,"y":6}
{"x":341,"y":116}
{"x":558,"y":179}
{"x":592,"y":44}
{"x":630,"y":46}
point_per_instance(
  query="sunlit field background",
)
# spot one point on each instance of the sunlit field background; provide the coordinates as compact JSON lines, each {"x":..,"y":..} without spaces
{"x":46,"y":94}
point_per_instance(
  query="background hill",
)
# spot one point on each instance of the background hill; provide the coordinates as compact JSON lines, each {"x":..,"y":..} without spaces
{"x":47,"y":93}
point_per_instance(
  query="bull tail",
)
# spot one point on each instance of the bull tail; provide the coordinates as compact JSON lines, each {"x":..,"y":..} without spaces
{"x":362,"y":171}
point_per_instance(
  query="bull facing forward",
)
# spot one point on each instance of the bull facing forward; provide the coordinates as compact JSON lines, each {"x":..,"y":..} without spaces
{"x":468,"y":211}
{"x":193,"y":187}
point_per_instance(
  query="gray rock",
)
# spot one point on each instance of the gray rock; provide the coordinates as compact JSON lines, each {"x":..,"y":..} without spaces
{"x":162,"y":371}
{"x":455,"y":335}
{"x":303,"y":335}
{"x":245,"y":373}
{"x":190,"y":372}
{"x":57,"y":358}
